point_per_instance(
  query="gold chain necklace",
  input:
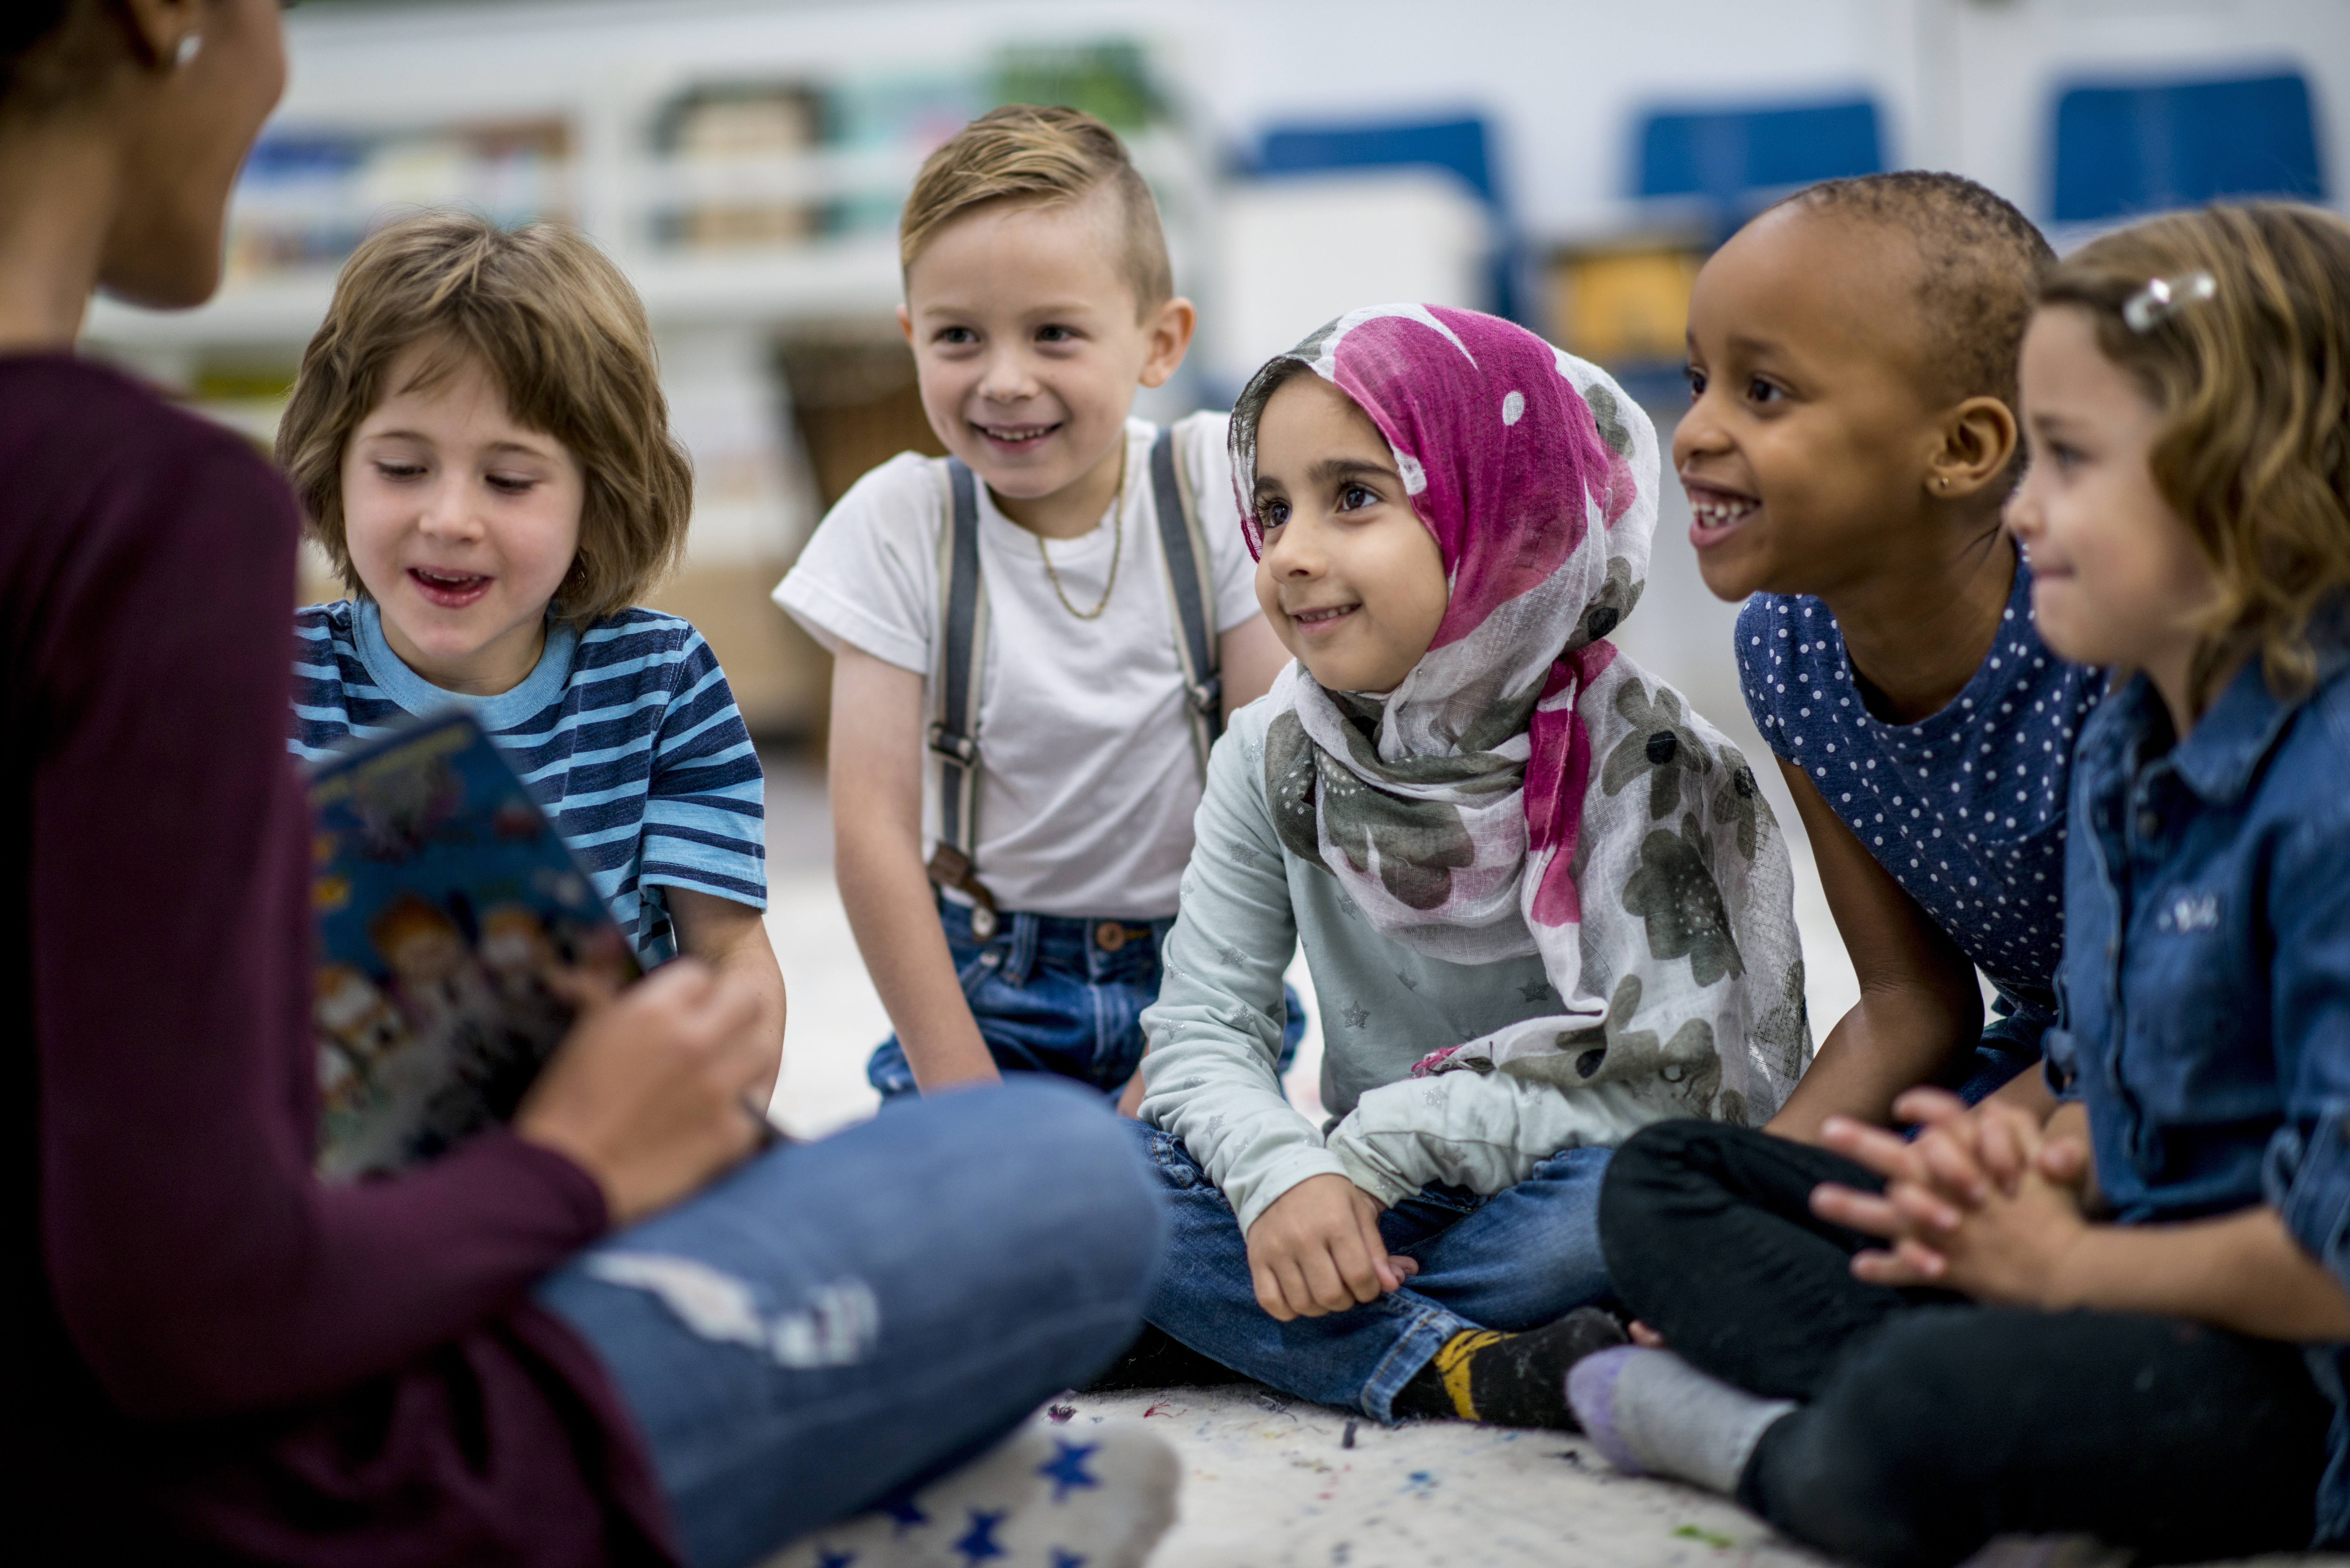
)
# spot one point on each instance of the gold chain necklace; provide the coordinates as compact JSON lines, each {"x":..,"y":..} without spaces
{"x":1117,"y":548}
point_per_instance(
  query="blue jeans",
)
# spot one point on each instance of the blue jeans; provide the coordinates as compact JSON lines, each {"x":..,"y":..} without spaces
{"x":1050,"y":994}
{"x":1518,"y":1259}
{"x":836,"y":1320}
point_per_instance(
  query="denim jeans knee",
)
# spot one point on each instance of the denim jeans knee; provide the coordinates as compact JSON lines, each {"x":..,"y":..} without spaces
{"x":1058,"y":995}
{"x":836,"y":1319}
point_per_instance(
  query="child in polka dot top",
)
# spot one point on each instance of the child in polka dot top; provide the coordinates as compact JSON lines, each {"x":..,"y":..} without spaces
{"x":1851,"y":440}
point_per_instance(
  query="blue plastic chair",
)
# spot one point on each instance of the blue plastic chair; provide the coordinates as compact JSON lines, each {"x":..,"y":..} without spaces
{"x":1734,"y":159}
{"x":2123,"y":150}
{"x":1459,"y":145}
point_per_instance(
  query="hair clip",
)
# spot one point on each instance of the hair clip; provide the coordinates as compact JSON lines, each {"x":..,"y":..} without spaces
{"x":2163,"y":297}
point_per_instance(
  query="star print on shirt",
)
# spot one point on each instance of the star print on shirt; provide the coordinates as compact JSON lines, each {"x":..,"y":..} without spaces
{"x":827,"y":1558}
{"x":979,"y":1543}
{"x":1356,"y":1014}
{"x":1067,"y":1469}
{"x":1534,"y":990}
{"x":1067,"y":1559}
{"x":903,"y":1511}
{"x":1408,"y":982}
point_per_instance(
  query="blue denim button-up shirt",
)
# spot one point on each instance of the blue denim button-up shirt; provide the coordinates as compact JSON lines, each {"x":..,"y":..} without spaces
{"x":2206,"y":981}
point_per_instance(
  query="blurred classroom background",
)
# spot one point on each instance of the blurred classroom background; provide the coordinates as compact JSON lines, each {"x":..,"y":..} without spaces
{"x":1567,"y":163}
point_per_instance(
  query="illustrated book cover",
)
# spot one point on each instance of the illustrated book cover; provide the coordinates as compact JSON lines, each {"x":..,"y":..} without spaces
{"x":444,"y":899}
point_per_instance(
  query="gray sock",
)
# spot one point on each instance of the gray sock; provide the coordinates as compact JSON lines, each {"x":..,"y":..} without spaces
{"x":1651,"y":1413}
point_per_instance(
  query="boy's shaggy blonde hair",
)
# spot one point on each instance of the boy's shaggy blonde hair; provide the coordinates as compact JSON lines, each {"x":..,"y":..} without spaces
{"x":2254,"y":385}
{"x":562,"y":334}
{"x":1038,"y":155}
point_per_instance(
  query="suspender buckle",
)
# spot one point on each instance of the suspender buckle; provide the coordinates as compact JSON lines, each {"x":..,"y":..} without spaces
{"x":1208,"y":697}
{"x":962,"y":749}
{"x":951,"y":867}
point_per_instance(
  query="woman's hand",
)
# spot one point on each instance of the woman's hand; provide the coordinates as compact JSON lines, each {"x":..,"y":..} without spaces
{"x":1317,"y":1249}
{"x":650,"y":1092}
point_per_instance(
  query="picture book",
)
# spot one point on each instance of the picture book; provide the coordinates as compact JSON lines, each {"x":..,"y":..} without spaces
{"x":444,"y":899}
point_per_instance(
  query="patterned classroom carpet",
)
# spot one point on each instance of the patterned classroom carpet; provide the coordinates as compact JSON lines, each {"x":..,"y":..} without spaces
{"x":1274,"y":1483}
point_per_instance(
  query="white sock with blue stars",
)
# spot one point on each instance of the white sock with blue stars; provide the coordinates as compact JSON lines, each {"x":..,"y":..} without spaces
{"x":1047,"y":1497}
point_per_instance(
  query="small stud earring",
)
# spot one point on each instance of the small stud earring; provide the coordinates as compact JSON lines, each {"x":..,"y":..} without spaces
{"x":190,"y":45}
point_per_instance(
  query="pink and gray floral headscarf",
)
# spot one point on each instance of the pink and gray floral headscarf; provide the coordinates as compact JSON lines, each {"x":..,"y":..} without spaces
{"x":1527,"y":788}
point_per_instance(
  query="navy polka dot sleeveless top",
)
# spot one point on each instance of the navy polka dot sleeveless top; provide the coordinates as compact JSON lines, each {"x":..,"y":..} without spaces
{"x":1965,"y":808}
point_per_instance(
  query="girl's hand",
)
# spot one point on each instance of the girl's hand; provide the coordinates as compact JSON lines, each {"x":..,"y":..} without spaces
{"x":1317,"y":1249}
{"x":648,"y":1092}
{"x":1962,"y":1154}
{"x":2010,"y":1248}
{"x":1980,"y":1201}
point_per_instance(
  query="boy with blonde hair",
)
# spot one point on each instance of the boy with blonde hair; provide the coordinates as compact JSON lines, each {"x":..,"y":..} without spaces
{"x":1037,"y":638}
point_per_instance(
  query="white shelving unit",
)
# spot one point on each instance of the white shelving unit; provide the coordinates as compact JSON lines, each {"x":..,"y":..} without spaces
{"x":606,"y":100}
{"x":585,"y":111}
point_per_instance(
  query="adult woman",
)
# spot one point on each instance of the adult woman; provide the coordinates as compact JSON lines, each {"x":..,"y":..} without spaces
{"x":211,"y":1354}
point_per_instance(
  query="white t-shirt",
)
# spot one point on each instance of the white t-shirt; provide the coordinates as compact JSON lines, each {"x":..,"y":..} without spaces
{"x":1087,"y":773}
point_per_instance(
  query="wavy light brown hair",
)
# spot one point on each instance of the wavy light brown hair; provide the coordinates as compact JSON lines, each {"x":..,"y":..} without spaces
{"x":562,"y":334}
{"x":2254,"y":386}
{"x":1040,"y":155}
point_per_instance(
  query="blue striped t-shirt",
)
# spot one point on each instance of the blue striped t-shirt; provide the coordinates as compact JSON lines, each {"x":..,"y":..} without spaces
{"x":626,"y":734}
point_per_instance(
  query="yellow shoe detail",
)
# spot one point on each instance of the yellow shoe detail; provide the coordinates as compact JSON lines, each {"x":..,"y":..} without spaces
{"x":1452,"y":1359}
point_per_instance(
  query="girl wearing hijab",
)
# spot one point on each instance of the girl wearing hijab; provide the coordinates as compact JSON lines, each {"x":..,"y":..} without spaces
{"x":1541,"y":900}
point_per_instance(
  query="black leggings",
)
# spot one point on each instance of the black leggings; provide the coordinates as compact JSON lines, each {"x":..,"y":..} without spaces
{"x":1930,"y":1424}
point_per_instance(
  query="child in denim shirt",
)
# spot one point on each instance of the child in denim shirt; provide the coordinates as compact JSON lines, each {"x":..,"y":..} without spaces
{"x":2127,"y":1318}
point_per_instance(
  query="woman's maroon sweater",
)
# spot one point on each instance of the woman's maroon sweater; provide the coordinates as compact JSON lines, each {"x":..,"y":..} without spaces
{"x":207,"y":1352}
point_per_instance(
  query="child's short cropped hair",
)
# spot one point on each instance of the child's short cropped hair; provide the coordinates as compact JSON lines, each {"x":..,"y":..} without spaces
{"x":1037,"y":154}
{"x":2252,"y":374}
{"x":563,"y":334}
{"x":1982,"y":262}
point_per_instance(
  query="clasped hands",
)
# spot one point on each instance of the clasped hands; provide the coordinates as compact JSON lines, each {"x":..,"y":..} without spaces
{"x":1986,"y":1201}
{"x":1316,"y":1250}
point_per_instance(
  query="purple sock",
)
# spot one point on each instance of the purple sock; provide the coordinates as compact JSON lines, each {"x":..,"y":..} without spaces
{"x":1591,"y":1394}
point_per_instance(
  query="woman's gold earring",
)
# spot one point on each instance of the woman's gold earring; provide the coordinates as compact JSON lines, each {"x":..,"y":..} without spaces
{"x":190,"y":45}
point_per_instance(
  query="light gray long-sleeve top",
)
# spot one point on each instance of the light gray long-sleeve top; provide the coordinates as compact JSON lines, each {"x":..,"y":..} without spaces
{"x":1215,"y":1032}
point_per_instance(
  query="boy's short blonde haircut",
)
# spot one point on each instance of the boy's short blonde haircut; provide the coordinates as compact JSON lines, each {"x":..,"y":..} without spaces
{"x":1038,"y":155}
{"x":2254,"y":387}
{"x":564,"y":337}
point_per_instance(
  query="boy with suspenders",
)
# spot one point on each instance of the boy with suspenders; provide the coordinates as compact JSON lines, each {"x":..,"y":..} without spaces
{"x":1024,"y":694}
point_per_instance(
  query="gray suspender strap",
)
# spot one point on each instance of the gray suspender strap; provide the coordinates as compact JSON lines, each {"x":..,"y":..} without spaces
{"x":1192,"y":590}
{"x":963,"y":642}
{"x":961,"y":658}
